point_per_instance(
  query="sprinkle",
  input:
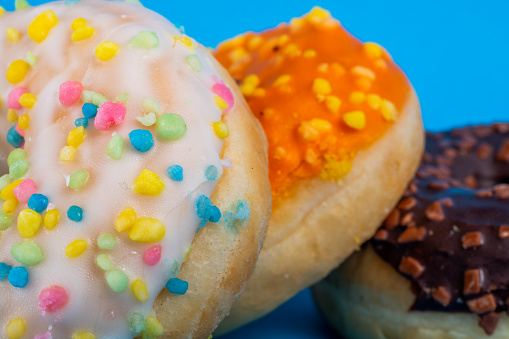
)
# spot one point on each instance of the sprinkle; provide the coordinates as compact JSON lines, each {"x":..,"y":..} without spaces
{"x":31,"y":59}
{"x":52,"y":299}
{"x":76,"y":136}
{"x":388,"y":110}
{"x":115,"y":147}
{"x":17,"y":71}
{"x":363,"y":72}
{"x":141,"y":140}
{"x":18,"y":276}
{"x":70,"y":92}
{"x":193,"y":61}
{"x":372,"y":50}
{"x":27,"y":100}
{"x":98,"y":99}
{"x":6,"y":221}
{"x":67,"y":153}
{"x":145,"y":40}
{"x":122,"y":97}
{"x":19,"y":169}
{"x":24,"y":190}
{"x":211,"y":173}
{"x":12,"y":116}
{"x":153,"y":328}
{"x":13,"y":97}
{"x":152,"y":255}
{"x":140,"y":291}
{"x":136,"y":322}
{"x":86,"y":95}
{"x":185,"y":40}
{"x":103,"y":261}
{"x":225,"y":93}
{"x":175,"y":172}
{"x":309,"y":53}
{"x":21,"y":4}
{"x":220,"y":129}
{"x":46,"y":335}
{"x":10,"y":206}
{"x":106,"y":241}
{"x":106,"y":50}
{"x":23,"y":121}
{"x":170,"y":126}
{"x":177,"y":286}
{"x":355,"y":119}
{"x":321,"y":86}
{"x":77,"y":23}
{"x":39,"y":29}
{"x":8,"y":192}
{"x":2,"y":11}
{"x":14,"y":138}
{"x":15,"y":155}
{"x":75,"y":213}
{"x":312,"y":129}
{"x":82,"y":334}
{"x":150,"y":105}
{"x":281,"y":80}
{"x":78,"y":179}
{"x":38,"y":202}
{"x":374,"y":101}
{"x":27,"y":253}
{"x":108,"y":114}
{"x":332,"y":103}
{"x":69,"y":3}
{"x":125,"y":220}
{"x":5,"y":180}
{"x":148,"y":120}
{"x":249,"y":84}
{"x":51,"y":219}
{"x":220,"y":102}
{"x":81,"y":122}
{"x":15,"y":328}
{"x":117,"y":280}
{"x":29,"y":223}
{"x":147,"y":230}
{"x":4,"y":271}
{"x":82,"y":33}
{"x":357,"y":97}
{"x":206,"y":210}
{"x":76,"y":248}
{"x":13,"y":34}
{"x":148,"y":183}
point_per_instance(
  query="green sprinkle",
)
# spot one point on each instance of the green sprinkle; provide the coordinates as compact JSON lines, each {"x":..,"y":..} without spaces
{"x":6,"y":220}
{"x":4,"y":181}
{"x":86,"y":96}
{"x":194,"y":62}
{"x":147,"y":120}
{"x":21,"y":4}
{"x":117,"y":280}
{"x":115,"y":147}
{"x":17,"y":154}
{"x":18,"y":168}
{"x":98,"y":99}
{"x":107,"y":241}
{"x":152,"y":328}
{"x":78,"y":179}
{"x":27,"y":252}
{"x":170,"y":126}
{"x":136,"y":322}
{"x":150,"y":106}
{"x":103,"y":261}
{"x":145,"y":40}
{"x":122,"y":97}
{"x":31,"y":58}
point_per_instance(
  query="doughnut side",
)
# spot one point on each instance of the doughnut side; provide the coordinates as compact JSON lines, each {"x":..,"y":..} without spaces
{"x":319,"y":224}
{"x":367,"y":298}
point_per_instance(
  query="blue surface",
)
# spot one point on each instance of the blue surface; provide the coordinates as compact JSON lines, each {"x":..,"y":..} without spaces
{"x":456,"y":53}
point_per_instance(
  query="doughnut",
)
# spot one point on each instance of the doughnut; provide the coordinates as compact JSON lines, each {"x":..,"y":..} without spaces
{"x":339,"y":115}
{"x":437,"y":267}
{"x":137,"y":195}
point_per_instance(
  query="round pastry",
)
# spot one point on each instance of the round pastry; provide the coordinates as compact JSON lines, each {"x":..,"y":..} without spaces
{"x":345,"y":137}
{"x":437,"y":268}
{"x":138,"y":169}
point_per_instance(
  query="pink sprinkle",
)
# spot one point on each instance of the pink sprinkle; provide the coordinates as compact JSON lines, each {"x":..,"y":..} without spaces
{"x":20,"y":131}
{"x":70,"y":92}
{"x":152,"y":255}
{"x":24,"y":190}
{"x":52,"y":299}
{"x":109,"y":114}
{"x":225,"y":93}
{"x":46,"y":335}
{"x":13,"y":97}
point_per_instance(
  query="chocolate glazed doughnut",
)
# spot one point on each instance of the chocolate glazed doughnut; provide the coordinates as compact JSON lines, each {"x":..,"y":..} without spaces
{"x":448,"y":236}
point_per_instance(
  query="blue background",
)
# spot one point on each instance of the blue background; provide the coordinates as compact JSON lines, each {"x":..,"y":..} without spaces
{"x":456,"y":53}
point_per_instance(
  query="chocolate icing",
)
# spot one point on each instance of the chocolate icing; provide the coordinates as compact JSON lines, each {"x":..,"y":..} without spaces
{"x":449,"y":234}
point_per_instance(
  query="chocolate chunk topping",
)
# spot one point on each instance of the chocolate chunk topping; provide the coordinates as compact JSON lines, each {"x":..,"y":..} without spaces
{"x":473,"y":281}
{"x":503,"y":232}
{"x":501,"y":191}
{"x":407,"y":219}
{"x":484,"y":151}
{"x":503,"y":153}
{"x":435,"y":212}
{"x":381,"y":234}
{"x":412,"y":234}
{"x":442,"y":296}
{"x":411,"y":267}
{"x":392,"y":220}
{"x":483,"y":304}
{"x":489,"y":322}
{"x":407,"y":204}
{"x":472,"y":239}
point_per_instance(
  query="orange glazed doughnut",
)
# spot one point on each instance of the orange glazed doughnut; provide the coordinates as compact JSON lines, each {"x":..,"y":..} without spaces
{"x":345,"y":137}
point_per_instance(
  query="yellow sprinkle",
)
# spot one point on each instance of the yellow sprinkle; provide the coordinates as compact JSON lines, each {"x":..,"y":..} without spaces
{"x":388,"y":110}
{"x":39,"y":29}
{"x":292,"y":50}
{"x":335,"y":169}
{"x":67,"y":153}
{"x":153,"y":327}
{"x":283,"y":39}
{"x":83,"y":33}
{"x":23,"y":121}
{"x":76,"y":248}
{"x":106,"y":50}
{"x":125,"y":220}
{"x":220,"y":102}
{"x":147,"y":230}
{"x":2,"y":11}
{"x":312,"y":129}
{"x":15,"y":328}
{"x":221,"y":129}
{"x":338,"y":68}
{"x":254,"y":42}
{"x":17,"y":71}
{"x":51,"y":219}
{"x":83,"y":335}
{"x":139,"y":289}
{"x":148,"y":183}
{"x":310,"y":156}
{"x":318,"y":14}
{"x":373,"y":101}
{"x":372,"y":50}
{"x":249,"y":84}
{"x":7,"y":193}
{"x":13,"y":34}
{"x":279,"y":153}
{"x":321,"y":86}
{"x":76,"y":136}
{"x":29,"y":223}
{"x":282,"y":79}
{"x":309,"y":53}
{"x":355,"y":119}
{"x":357,"y":98}
{"x":77,"y":23}
{"x":332,"y":103}
{"x":185,"y":40}
{"x":12,"y":116}
{"x":363,"y":72}
{"x":9,"y":206}
{"x":27,"y":100}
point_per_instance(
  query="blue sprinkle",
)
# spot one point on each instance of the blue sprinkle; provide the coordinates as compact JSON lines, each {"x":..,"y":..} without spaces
{"x":71,"y":2}
{"x":215,"y":214}
{"x":211,"y":172}
{"x":81,"y":122}
{"x":176,"y":173}
{"x":243,"y":210}
{"x":38,"y":202}
{"x":141,"y":139}
{"x":177,"y":286}
{"x":75,"y":213}
{"x":207,"y":211}
{"x":14,"y":138}
{"x":18,"y":276}
{"x":237,"y":216}
{"x":4,"y":271}
{"x":89,"y":110}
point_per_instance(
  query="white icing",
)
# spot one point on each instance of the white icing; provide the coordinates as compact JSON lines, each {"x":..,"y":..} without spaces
{"x":160,"y":73}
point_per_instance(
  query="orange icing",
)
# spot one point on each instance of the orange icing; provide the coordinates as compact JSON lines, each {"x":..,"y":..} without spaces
{"x":320,"y":94}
